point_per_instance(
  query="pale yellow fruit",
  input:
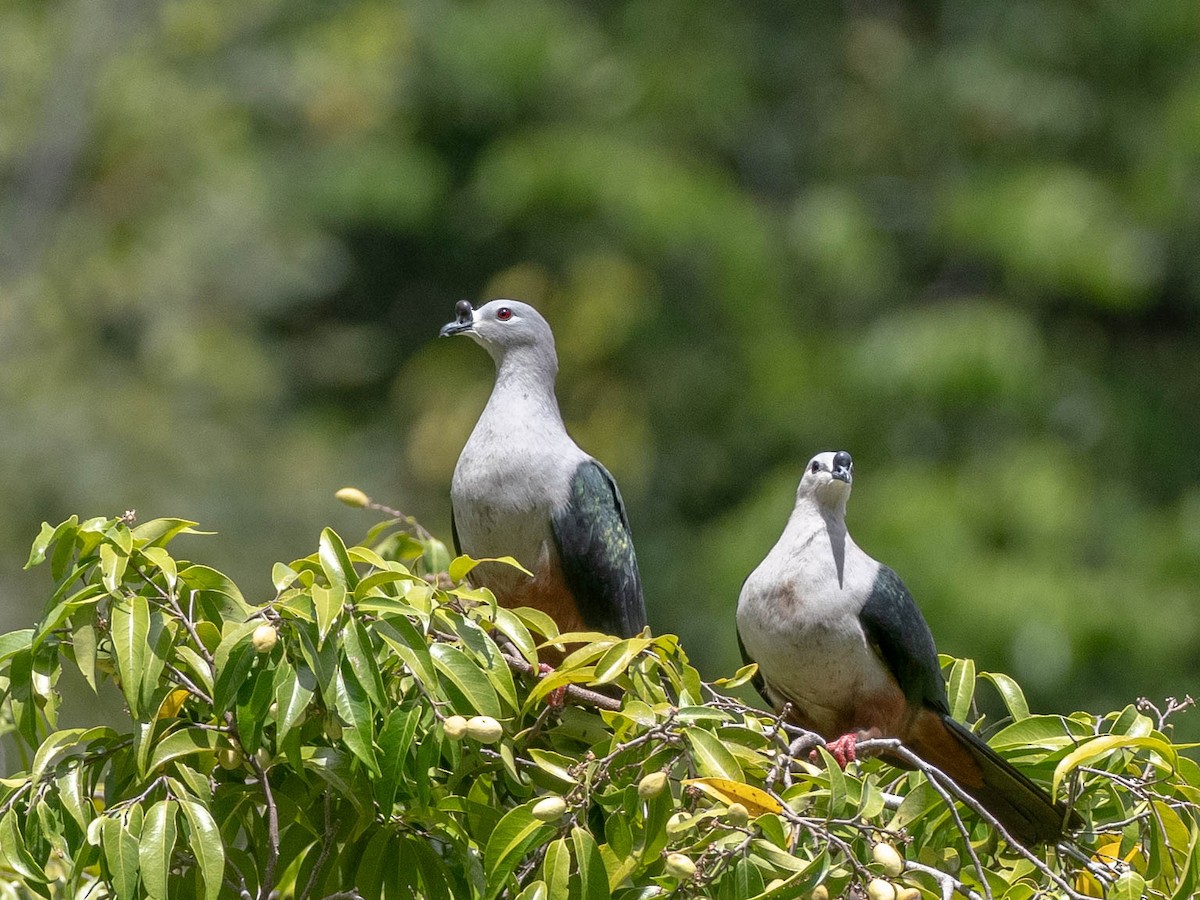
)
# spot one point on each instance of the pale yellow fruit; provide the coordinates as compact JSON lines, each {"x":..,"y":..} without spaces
{"x":353,"y":497}
{"x":264,"y":638}
{"x":737,"y":814}
{"x":484,"y":729}
{"x":889,"y":859}
{"x":455,"y":727}
{"x":908,"y":893}
{"x":551,"y":809}
{"x":333,"y":727}
{"x":820,"y":892}
{"x":652,"y":785}
{"x":680,"y":865}
{"x":878,"y":889}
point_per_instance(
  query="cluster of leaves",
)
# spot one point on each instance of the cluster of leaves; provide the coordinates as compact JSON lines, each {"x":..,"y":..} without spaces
{"x":376,"y":731}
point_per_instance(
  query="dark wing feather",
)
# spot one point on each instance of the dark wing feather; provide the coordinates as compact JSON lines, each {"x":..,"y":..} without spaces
{"x":894,"y":625}
{"x":596,"y":551}
{"x":454,"y":533}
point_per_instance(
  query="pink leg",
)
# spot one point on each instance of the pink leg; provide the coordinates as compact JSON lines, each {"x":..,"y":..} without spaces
{"x":556,"y":699}
{"x":844,"y":749}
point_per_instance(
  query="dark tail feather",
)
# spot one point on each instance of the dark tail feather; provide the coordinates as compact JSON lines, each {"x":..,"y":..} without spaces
{"x":1024,"y":809}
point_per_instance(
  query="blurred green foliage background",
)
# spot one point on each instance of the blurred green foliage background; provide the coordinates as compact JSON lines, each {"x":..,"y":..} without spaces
{"x":959,"y":239}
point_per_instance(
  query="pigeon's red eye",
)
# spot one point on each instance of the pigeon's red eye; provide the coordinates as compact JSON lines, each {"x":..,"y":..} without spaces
{"x":504,"y":314}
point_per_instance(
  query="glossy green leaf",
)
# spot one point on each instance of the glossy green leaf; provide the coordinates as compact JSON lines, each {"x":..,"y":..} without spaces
{"x":461,"y":567}
{"x":960,"y":688}
{"x":157,"y":844}
{"x":711,"y":756}
{"x":618,"y":657}
{"x":120,"y":847}
{"x":204,"y":840}
{"x":129,"y":627}
{"x":556,"y":868}
{"x":464,"y":675}
{"x":361,"y":656}
{"x":358,"y":716}
{"x":185,"y":742}
{"x":593,"y":877}
{"x":294,"y":691}
{"x":510,"y":839}
{"x":395,"y":742}
{"x":329,"y":602}
{"x":335,"y":561}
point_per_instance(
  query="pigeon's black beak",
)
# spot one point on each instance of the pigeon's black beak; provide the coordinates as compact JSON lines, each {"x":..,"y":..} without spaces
{"x":464,"y":319}
{"x":843,"y":467}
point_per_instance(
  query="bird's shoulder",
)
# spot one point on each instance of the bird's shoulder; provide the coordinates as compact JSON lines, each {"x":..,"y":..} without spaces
{"x":893,"y":623}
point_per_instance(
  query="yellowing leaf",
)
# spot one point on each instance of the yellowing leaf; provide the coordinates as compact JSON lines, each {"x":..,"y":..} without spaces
{"x":171,"y":704}
{"x":756,"y":800}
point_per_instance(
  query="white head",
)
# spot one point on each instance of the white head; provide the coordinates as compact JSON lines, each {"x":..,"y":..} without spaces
{"x":505,"y":326}
{"x":827,"y":479}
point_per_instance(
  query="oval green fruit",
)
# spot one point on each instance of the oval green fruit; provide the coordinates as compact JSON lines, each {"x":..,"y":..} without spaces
{"x":680,"y":865}
{"x":652,"y":785}
{"x":549,"y":809}
{"x":455,"y":727}
{"x":484,"y":729}
{"x":264,"y":638}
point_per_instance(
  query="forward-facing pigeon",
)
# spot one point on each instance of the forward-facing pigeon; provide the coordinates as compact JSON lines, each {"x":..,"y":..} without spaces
{"x":523,"y":488}
{"x":838,"y":637}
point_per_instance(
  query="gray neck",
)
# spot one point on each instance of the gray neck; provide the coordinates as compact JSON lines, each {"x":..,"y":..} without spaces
{"x":524,"y":389}
{"x":813,"y":525}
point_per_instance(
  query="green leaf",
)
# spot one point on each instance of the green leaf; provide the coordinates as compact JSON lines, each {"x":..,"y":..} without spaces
{"x":329,"y":602}
{"x":361,"y":655}
{"x":395,"y":740}
{"x":51,"y":746}
{"x":184,"y":742}
{"x":129,"y":623}
{"x":467,"y":678}
{"x":120,"y":847}
{"x":161,"y":560}
{"x":206,"y":845}
{"x":14,"y":642}
{"x":335,"y":561}
{"x":461,"y":567}
{"x":83,"y":646}
{"x":232,"y":662}
{"x":515,"y":833}
{"x":1092,"y":750}
{"x":294,"y":691}
{"x":742,"y":676}
{"x":711,"y":755}
{"x":1011,"y":693}
{"x":159,"y":834}
{"x":593,"y":877}
{"x":614,"y":662}
{"x":514,"y":629}
{"x":283,"y":576}
{"x":14,"y":849}
{"x":112,"y":566}
{"x":359,"y":717}
{"x":46,"y":537}
{"x":399,"y":633}
{"x":71,"y":794}
{"x":160,"y":532}
{"x":961,"y":688}
{"x":556,"y":868}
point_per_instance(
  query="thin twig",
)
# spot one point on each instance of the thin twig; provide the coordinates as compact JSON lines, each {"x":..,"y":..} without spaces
{"x":326,"y":845}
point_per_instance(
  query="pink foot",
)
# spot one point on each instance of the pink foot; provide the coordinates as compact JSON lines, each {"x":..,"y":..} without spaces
{"x":557,"y":698}
{"x":844,"y":749}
